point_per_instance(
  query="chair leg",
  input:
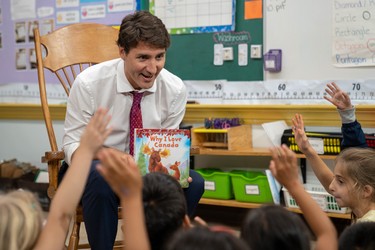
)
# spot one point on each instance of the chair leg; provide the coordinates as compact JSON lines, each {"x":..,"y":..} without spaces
{"x":74,"y":236}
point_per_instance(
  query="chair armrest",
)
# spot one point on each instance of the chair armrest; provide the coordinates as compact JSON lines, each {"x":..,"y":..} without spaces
{"x":53,"y":159}
{"x":53,"y":156}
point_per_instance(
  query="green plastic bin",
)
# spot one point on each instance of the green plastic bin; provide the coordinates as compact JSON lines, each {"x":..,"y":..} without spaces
{"x":251,"y":186}
{"x":217,"y":183}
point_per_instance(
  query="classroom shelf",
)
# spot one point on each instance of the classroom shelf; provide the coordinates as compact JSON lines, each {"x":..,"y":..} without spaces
{"x":200,"y":139}
{"x":234,"y":203}
{"x":249,"y":152}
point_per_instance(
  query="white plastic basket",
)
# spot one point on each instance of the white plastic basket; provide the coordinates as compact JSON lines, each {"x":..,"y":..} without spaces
{"x":326,"y":201}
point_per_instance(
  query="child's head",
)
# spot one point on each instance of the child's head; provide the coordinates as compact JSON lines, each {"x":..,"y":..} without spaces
{"x":204,"y":238}
{"x":164,"y":207}
{"x":273,"y":227}
{"x":21,"y":220}
{"x":354,"y":180}
{"x":358,"y":236}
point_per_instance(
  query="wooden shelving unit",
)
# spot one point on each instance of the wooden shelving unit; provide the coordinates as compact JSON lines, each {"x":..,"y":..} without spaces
{"x":234,"y":203}
{"x":250,"y":152}
{"x":199,"y":147}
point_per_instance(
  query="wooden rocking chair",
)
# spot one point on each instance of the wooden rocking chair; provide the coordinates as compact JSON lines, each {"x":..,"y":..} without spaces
{"x":66,"y":52}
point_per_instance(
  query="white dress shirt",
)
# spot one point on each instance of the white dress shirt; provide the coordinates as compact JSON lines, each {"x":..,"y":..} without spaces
{"x":105,"y":85}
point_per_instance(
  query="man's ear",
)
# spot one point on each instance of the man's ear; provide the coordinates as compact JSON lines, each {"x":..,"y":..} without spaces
{"x":186,"y":224}
{"x":122,"y":52}
{"x":368,"y":191}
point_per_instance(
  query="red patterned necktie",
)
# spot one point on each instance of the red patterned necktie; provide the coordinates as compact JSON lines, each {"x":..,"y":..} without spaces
{"x":135,"y":118}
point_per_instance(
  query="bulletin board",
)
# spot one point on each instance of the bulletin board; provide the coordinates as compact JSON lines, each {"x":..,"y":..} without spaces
{"x":304,"y":31}
{"x":188,"y":17}
{"x":191,"y":55}
{"x":19,"y":17}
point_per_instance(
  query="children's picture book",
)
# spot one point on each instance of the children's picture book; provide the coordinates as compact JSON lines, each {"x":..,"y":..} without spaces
{"x":163,"y":150}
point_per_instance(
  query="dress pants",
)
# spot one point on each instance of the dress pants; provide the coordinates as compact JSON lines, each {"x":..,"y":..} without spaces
{"x":100,"y":206}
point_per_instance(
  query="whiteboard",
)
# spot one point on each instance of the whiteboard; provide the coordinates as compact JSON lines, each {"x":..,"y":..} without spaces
{"x":302,"y":29}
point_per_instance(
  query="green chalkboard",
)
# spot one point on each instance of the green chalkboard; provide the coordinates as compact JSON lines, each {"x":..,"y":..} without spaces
{"x":191,"y":56}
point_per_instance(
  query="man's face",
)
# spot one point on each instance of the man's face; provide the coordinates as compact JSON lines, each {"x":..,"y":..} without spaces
{"x":143,"y":64}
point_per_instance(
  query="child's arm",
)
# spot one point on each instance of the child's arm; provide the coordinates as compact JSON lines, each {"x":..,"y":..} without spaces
{"x":321,"y":170}
{"x":123,"y":175}
{"x":284,"y":168}
{"x":69,"y":193}
{"x":353,"y":135}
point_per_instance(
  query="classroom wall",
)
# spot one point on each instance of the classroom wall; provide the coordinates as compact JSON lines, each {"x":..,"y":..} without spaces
{"x":303,"y":30}
{"x":26,"y":140}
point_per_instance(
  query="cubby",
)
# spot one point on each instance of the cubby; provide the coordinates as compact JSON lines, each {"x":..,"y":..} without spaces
{"x":234,"y":138}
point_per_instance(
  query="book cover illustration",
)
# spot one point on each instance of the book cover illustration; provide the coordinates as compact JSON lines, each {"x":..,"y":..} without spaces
{"x":165,"y":150}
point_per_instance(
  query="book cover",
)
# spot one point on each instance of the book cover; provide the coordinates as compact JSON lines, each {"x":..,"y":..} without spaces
{"x":164,"y":150}
{"x":275,"y":186}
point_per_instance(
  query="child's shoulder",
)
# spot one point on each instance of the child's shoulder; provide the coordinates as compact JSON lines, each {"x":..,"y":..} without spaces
{"x":369,"y":216}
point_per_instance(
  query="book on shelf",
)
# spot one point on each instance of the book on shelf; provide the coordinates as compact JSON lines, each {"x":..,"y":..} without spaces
{"x":163,"y":150}
{"x":275,"y":187}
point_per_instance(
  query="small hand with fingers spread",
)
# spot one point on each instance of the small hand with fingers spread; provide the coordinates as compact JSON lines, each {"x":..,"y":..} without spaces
{"x":337,"y":97}
{"x":299,"y":133}
{"x":96,"y":131}
{"x":121,"y":172}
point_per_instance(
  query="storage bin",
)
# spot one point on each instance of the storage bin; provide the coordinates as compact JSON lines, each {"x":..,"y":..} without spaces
{"x":251,"y":186}
{"x":326,"y":201}
{"x":217,"y":183}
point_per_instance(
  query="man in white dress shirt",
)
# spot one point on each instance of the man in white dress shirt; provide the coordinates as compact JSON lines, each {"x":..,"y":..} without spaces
{"x":143,"y":41}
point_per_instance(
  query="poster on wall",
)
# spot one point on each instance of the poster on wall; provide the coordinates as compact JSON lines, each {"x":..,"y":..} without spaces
{"x":353,"y":31}
{"x":18,"y":18}
{"x":188,"y":17}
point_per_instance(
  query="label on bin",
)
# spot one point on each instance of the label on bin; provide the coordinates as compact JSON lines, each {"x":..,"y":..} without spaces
{"x":317,"y":144}
{"x":252,"y":189}
{"x":209,"y":185}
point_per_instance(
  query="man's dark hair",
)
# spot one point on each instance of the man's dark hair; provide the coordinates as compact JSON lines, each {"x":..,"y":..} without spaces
{"x":164,"y":207}
{"x":144,"y":27}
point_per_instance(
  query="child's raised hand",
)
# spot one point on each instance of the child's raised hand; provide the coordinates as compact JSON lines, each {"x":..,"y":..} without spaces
{"x":96,"y":131}
{"x":121,"y":172}
{"x":299,"y":133}
{"x":284,"y":166}
{"x":337,"y":97}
